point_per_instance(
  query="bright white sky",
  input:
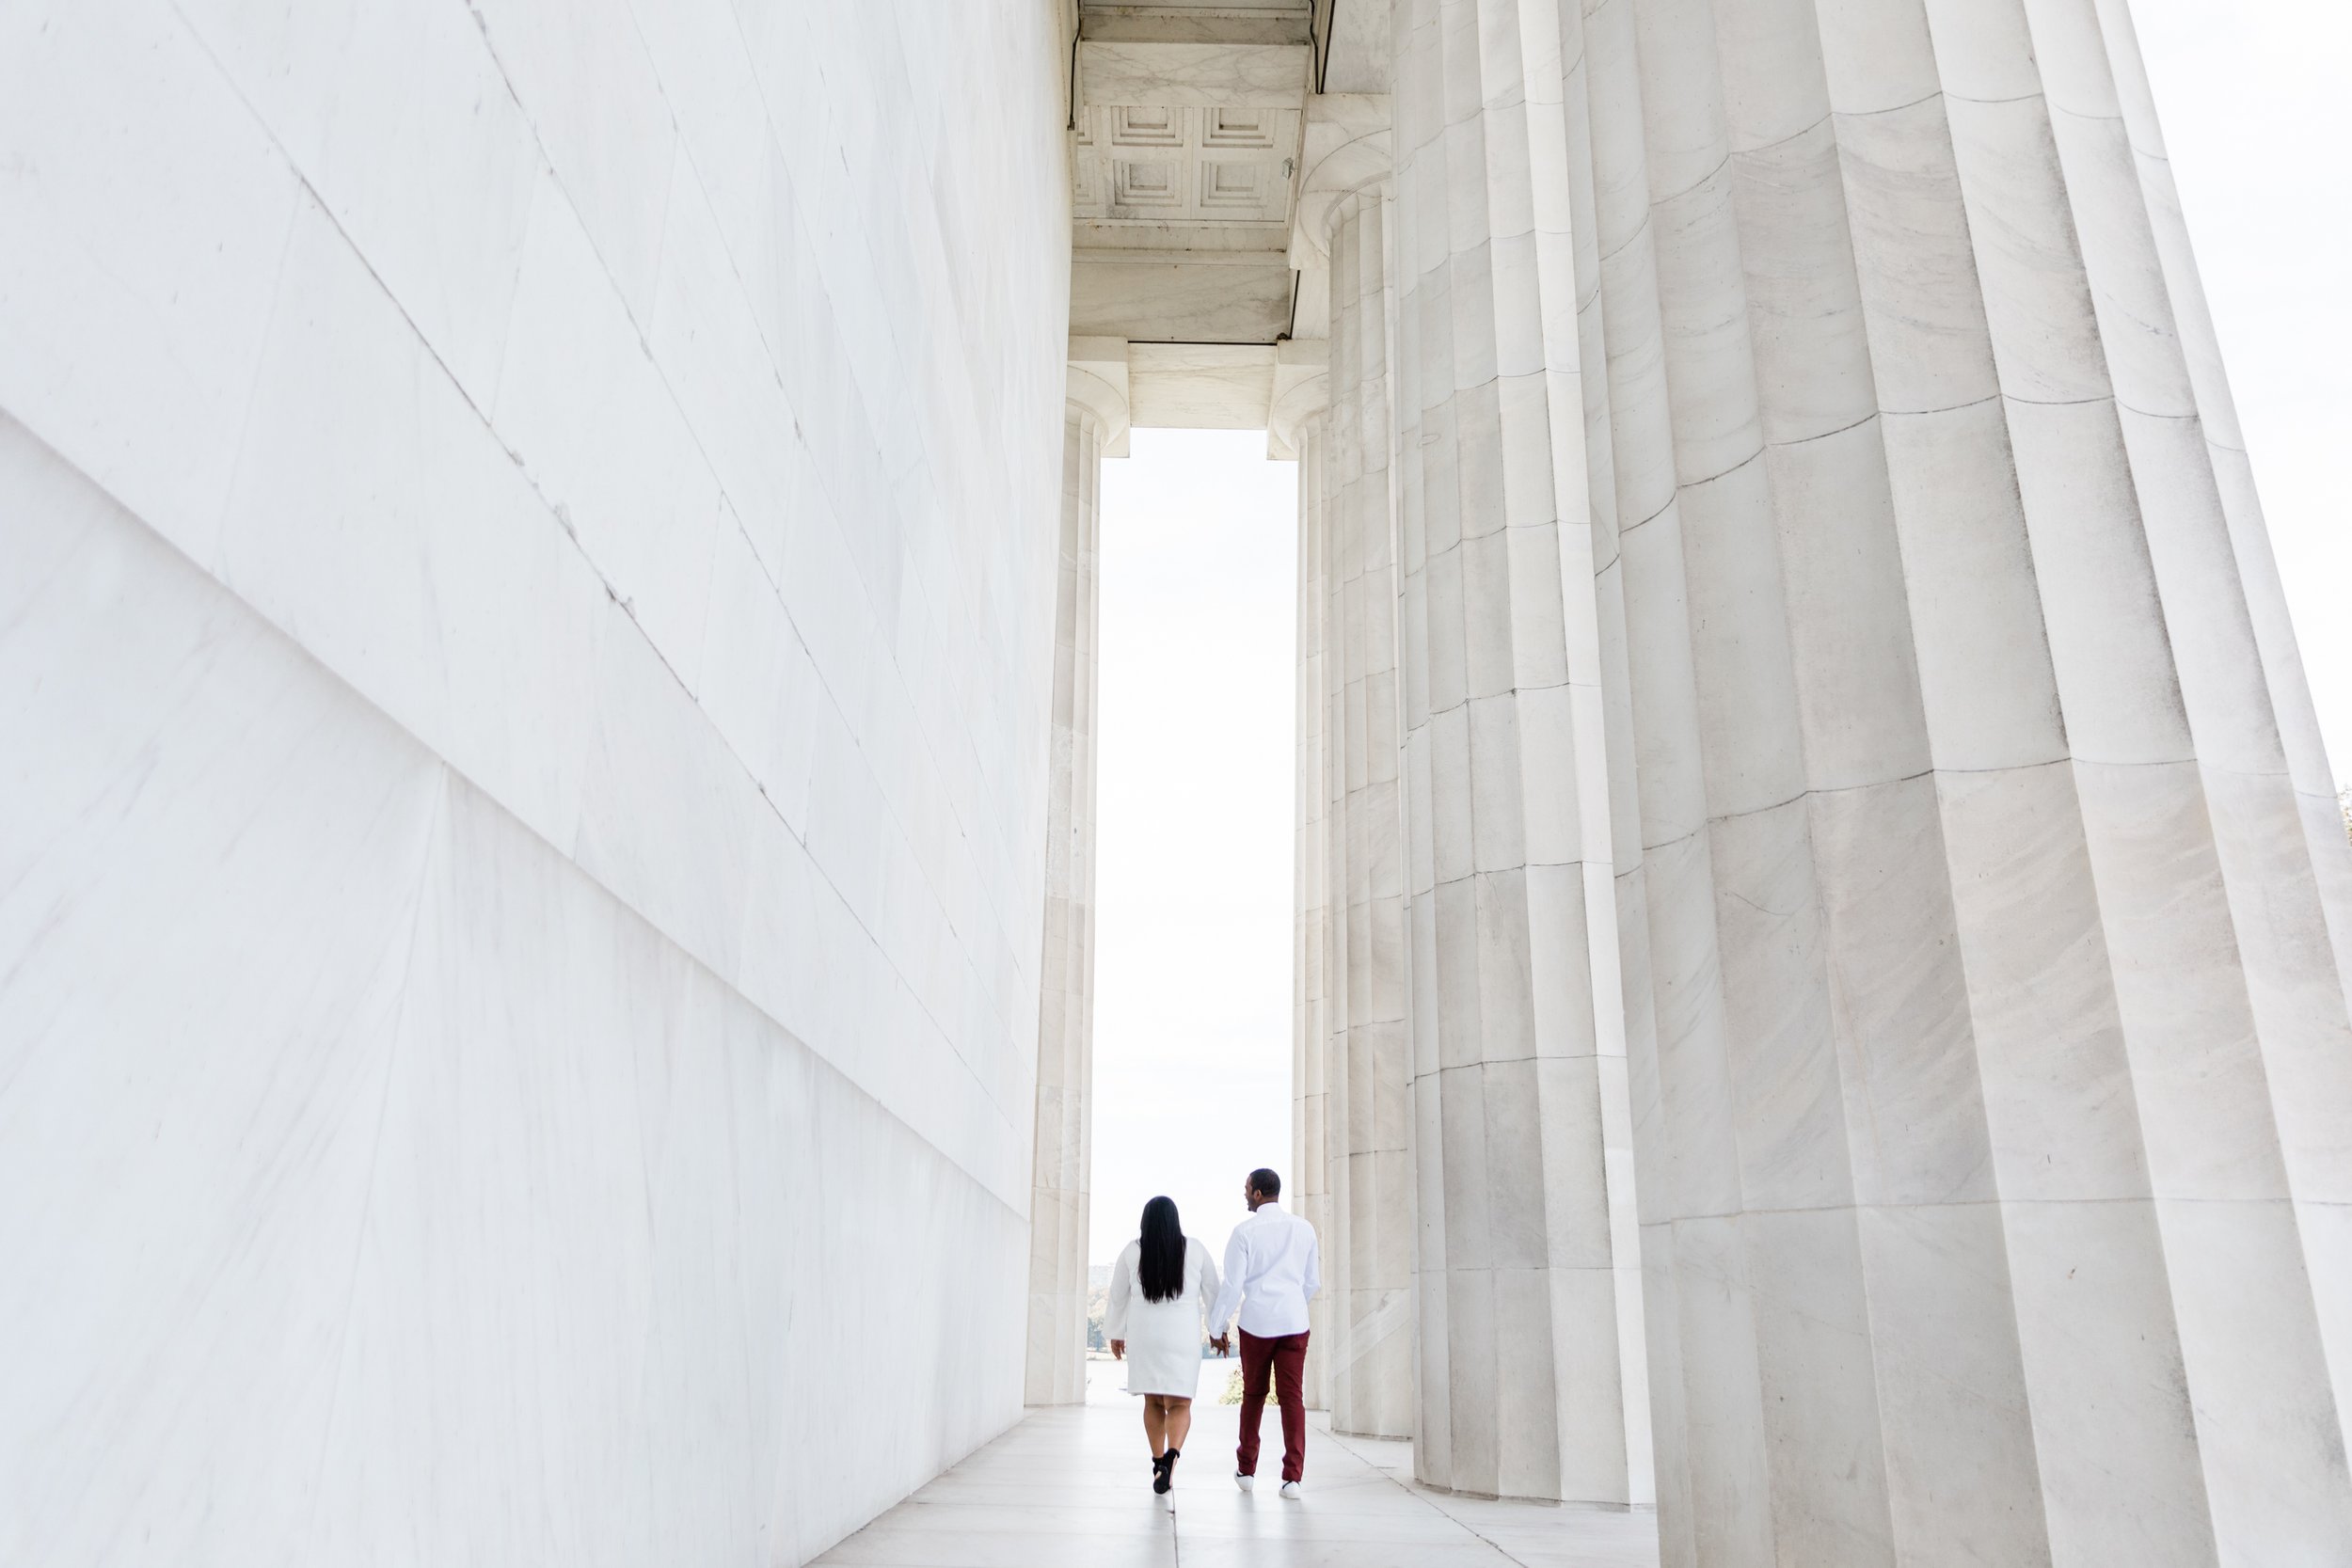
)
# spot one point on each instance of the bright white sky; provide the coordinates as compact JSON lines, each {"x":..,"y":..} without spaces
{"x":2258,"y":119}
{"x":1192,"y":1021}
{"x":1192,"y":801}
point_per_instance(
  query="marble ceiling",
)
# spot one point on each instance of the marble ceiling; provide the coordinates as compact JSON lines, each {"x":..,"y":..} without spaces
{"x":1188,"y":130}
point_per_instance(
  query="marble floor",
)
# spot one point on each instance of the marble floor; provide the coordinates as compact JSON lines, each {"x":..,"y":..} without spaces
{"x":1070,"y":1488}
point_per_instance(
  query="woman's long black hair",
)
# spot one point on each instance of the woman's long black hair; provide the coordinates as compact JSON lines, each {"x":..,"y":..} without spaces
{"x":1163,"y":1261}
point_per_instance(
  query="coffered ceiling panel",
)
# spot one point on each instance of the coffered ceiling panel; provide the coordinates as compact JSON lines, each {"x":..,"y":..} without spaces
{"x":1164,"y":162}
{"x":1185,"y":155}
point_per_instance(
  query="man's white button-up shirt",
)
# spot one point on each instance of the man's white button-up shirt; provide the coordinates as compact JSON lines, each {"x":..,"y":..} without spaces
{"x":1273,"y":1267}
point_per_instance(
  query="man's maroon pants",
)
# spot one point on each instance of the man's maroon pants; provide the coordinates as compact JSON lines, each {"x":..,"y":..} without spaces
{"x":1285,"y":1356}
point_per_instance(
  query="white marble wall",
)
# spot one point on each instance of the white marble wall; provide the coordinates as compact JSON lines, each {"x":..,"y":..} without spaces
{"x":1065,"y":1032}
{"x":526,"y":621}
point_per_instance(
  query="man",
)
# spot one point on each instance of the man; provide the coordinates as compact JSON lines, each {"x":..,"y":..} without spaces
{"x":1271,"y":1268}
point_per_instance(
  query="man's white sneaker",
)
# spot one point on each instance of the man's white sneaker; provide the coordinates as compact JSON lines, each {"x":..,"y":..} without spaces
{"x":1290,"y":1490}
{"x":1248,"y":1483}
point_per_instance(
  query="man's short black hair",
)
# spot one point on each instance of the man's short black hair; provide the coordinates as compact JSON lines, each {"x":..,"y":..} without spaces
{"x":1265,"y":1181}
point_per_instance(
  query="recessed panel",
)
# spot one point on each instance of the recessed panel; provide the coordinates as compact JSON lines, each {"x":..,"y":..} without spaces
{"x":1240,"y":130}
{"x":1147,"y":125}
{"x":1146,"y":186}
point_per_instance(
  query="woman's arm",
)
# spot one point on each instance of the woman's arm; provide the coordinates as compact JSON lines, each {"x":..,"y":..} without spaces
{"x":1207,"y":1285}
{"x":1122,"y":1274}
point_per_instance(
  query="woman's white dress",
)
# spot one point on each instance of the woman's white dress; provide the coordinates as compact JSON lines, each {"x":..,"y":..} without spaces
{"x":1164,"y":1337}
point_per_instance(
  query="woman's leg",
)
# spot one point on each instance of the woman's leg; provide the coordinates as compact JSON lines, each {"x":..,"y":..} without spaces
{"x":1155,"y":1422}
{"x":1179,"y":1421}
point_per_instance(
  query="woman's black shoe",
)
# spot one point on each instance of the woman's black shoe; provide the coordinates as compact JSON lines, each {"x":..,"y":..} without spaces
{"x":1160,"y":1469}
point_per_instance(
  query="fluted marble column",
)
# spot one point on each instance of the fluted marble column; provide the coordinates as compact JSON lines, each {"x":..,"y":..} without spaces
{"x":1369,"y":1066}
{"x":1518,"y":1025}
{"x":1994,"y":951}
{"x":1864,"y":810}
{"x":1094,"y":417}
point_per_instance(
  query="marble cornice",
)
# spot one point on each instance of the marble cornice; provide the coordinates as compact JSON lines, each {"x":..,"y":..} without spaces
{"x":1346,"y":151}
{"x":1098,"y":387}
{"x":1302,"y":389}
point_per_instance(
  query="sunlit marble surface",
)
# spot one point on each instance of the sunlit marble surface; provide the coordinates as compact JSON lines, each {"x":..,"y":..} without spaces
{"x":526,"y":620}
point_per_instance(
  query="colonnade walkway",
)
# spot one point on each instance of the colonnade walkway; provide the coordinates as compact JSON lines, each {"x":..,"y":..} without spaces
{"x":1070,"y":1488}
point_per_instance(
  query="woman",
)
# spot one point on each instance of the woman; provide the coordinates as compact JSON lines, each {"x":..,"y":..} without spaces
{"x":1161,"y":1288}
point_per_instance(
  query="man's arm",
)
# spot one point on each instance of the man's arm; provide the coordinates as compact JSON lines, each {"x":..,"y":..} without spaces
{"x":1210,"y":1288}
{"x":1229,"y":1293}
{"x":1314,"y":1262}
